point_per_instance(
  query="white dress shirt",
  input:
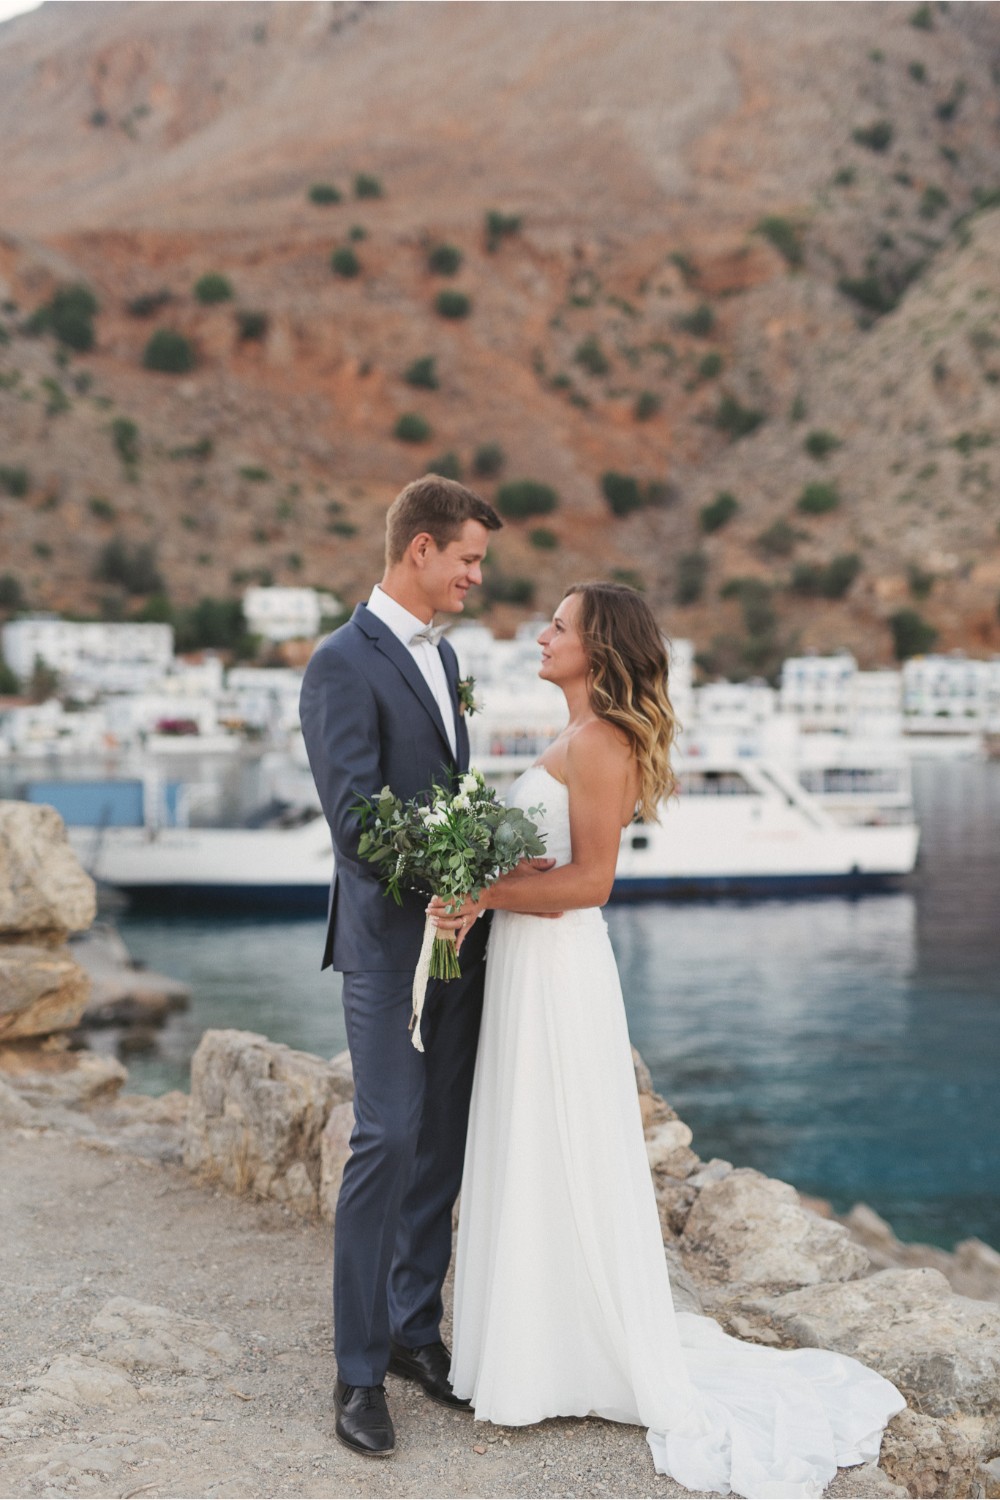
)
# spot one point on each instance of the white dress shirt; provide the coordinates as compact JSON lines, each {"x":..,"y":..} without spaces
{"x":427,"y":657}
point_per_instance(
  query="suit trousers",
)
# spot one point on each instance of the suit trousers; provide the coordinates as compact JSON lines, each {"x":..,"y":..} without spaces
{"x":392,"y":1238}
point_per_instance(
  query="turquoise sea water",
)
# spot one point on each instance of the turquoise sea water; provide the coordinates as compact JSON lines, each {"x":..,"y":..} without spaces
{"x":848,"y":1045}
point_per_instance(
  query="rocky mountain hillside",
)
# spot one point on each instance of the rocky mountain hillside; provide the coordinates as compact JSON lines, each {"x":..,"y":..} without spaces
{"x":721,"y":282}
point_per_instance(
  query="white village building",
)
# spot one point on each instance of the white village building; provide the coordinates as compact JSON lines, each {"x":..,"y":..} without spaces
{"x":287,"y":614}
{"x":949,"y":694}
{"x":90,"y":656}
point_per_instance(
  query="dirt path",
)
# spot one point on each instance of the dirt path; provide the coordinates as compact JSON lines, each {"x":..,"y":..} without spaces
{"x":226,"y":1390}
{"x":163,"y":1338}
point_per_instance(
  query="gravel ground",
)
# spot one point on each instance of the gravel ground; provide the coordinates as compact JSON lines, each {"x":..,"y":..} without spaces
{"x":161,"y":1337}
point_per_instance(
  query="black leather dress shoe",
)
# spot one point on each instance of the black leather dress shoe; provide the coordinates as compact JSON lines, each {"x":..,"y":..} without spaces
{"x":429,"y":1366}
{"x":363,"y":1421}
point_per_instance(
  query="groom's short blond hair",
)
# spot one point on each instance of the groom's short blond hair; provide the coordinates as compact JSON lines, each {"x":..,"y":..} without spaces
{"x":437,"y":506}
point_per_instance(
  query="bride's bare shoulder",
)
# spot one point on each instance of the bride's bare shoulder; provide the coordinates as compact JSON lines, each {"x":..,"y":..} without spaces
{"x":598,"y":745}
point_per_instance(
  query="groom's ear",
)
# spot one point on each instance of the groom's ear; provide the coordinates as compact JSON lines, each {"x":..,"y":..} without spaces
{"x":422,"y":546}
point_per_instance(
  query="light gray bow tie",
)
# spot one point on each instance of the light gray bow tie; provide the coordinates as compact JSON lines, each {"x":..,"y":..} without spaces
{"x":430,"y":633}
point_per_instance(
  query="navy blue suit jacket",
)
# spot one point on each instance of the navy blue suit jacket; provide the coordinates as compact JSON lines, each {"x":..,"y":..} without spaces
{"x":369,"y":720}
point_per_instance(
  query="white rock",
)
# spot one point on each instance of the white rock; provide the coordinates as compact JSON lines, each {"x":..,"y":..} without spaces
{"x":753,"y":1333}
{"x":664,"y":1140}
{"x":941,"y":1350}
{"x":931,"y":1457}
{"x":335,"y":1148}
{"x":43,"y":887}
{"x":256,"y":1116}
{"x":976,"y":1270}
{"x":750,"y":1229}
{"x":867,"y":1482}
{"x":13,"y":1109}
{"x":295,"y":1187}
{"x":42,"y":990}
{"x":73,"y":1381}
{"x":973,"y":1268}
{"x":682,"y":1288}
{"x":343,"y":1075}
{"x":142,"y":1335}
{"x":66,"y":1080}
{"x":713,"y":1171}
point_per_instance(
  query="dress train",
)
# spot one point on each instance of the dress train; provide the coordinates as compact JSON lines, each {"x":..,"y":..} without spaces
{"x":562,"y":1293}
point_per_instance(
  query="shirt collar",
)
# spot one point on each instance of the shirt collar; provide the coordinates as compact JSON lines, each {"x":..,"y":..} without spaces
{"x":399,"y":620}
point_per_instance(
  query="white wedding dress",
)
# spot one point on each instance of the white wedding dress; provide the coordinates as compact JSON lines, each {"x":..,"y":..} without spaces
{"x":562,"y":1296}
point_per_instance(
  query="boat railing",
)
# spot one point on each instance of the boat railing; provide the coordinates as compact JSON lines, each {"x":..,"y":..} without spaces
{"x":792,"y":791}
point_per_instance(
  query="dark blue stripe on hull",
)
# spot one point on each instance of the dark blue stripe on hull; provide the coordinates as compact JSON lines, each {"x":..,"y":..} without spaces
{"x":300,"y":900}
{"x":681,"y":888}
{"x":307,"y":899}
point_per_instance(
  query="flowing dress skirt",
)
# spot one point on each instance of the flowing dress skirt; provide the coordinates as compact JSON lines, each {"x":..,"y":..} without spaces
{"x":562,"y":1294}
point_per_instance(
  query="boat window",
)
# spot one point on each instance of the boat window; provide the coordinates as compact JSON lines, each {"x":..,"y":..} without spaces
{"x":715,"y":784}
{"x":847,"y":779}
{"x":640,"y":841}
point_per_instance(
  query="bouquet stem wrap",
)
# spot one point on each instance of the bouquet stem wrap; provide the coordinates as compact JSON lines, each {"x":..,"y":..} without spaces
{"x":451,"y":842}
{"x":438,"y":960}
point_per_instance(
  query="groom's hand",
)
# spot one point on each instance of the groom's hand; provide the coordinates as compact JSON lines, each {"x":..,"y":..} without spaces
{"x":533,"y":866}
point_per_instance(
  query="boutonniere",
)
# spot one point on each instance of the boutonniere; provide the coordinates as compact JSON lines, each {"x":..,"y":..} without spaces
{"x":467,"y":696}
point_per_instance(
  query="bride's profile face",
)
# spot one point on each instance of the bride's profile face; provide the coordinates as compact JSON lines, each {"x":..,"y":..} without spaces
{"x":564,"y":658}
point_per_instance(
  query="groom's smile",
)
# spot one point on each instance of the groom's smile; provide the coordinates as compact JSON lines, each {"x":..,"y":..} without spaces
{"x":449,"y":572}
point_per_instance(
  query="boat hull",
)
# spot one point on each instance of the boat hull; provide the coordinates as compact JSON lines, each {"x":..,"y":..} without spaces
{"x":770,"y":840}
{"x":313,"y":900}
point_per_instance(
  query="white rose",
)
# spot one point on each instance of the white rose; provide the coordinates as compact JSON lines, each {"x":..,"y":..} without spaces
{"x":461,"y":803}
{"x":468,"y":784}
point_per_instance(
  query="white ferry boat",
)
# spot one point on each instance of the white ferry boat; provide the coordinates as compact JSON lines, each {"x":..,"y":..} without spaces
{"x":751,"y":829}
{"x":740,"y":826}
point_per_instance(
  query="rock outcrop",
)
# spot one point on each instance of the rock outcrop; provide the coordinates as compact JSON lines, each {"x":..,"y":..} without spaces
{"x":48,"y":1086}
{"x":53,"y":1080}
{"x":44,"y":896}
{"x":750,"y":1230}
{"x":43,"y":888}
{"x":42,"y":990}
{"x":942,"y":1349}
{"x":335,"y":1148}
{"x":933,"y":1458}
{"x":972,"y":1268}
{"x":257,"y":1115}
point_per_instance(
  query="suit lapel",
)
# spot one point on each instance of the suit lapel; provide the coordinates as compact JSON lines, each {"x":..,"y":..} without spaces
{"x":461,"y":728}
{"x":392,"y":647}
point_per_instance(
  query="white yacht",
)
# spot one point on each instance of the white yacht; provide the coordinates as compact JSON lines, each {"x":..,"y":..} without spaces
{"x":742,"y":824}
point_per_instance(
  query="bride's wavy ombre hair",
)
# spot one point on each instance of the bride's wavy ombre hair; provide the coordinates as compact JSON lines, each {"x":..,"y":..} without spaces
{"x":629,"y":675}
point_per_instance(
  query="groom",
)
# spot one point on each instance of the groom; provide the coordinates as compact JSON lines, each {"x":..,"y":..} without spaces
{"x":379,"y":707}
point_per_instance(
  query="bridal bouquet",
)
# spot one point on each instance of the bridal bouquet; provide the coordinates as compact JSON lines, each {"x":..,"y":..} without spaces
{"x":449,"y":844}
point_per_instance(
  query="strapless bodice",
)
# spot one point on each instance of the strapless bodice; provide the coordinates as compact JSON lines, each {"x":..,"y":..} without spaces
{"x":538,"y":788}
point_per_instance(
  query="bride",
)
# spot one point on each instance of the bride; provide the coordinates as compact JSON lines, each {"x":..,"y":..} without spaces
{"x":562,"y":1296}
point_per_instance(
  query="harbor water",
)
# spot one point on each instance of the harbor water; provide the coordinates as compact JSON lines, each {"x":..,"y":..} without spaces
{"x":850,"y":1046}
